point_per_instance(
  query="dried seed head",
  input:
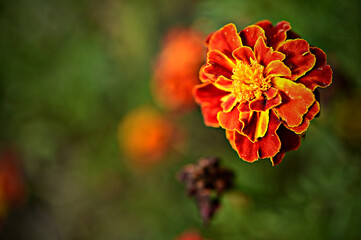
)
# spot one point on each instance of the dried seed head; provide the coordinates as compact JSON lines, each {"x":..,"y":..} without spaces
{"x":206,"y":181}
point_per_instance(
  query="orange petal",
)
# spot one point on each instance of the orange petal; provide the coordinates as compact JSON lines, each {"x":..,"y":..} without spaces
{"x":207,"y":93}
{"x":244,"y":54}
{"x":228,"y":102}
{"x":320,"y":75}
{"x":203,"y":76}
{"x":277,"y":68}
{"x":268,"y":146}
{"x":224,"y":84}
{"x":263,"y":103}
{"x":225,"y":40}
{"x":264,"y":54}
{"x":230,"y":121}
{"x":313,"y":111}
{"x":289,"y":142}
{"x":230,"y":137}
{"x":218,"y":64}
{"x":296,"y":99}
{"x":212,"y":72}
{"x":250,"y":34}
{"x":209,"y":97}
{"x":298,"y":57}
{"x":246,"y":149}
{"x":271,"y":93}
{"x":275,"y":35}
{"x":255,"y":125}
{"x":217,"y":57}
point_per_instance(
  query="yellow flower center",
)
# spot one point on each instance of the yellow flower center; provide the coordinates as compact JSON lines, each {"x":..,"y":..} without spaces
{"x":248,"y":81}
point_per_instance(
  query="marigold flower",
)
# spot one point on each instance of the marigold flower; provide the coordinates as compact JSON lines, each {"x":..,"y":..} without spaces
{"x":177,"y":67}
{"x":145,"y":136}
{"x":259,"y":86}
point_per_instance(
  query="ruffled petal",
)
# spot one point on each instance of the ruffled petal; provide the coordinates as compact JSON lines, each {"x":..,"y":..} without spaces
{"x":277,"y":68}
{"x":320,"y":75}
{"x":224,"y":84}
{"x":209,"y":97}
{"x":212,"y":72}
{"x":218,"y":65}
{"x":296,"y":99}
{"x":230,"y":121}
{"x":254,"y":124}
{"x":264,"y":54}
{"x":250,"y":35}
{"x":225,"y":40}
{"x":264,"y":103}
{"x":203,"y":76}
{"x":289,"y":142}
{"x":207,"y":93}
{"x":298,"y":57}
{"x":313,"y":111}
{"x":246,"y":149}
{"x":228,"y":102}
{"x":271,"y":93}
{"x":268,"y":146}
{"x":276,"y":35}
{"x":244,"y":54}
{"x":244,"y":107}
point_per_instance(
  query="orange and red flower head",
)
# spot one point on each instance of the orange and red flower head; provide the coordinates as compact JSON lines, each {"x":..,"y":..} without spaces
{"x":258,"y":84}
{"x":176,"y":71}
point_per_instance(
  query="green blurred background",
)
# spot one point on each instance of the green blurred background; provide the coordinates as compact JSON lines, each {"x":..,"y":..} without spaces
{"x":71,"y":70}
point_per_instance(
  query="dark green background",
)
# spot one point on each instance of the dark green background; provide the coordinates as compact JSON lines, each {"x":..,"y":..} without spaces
{"x":71,"y":70}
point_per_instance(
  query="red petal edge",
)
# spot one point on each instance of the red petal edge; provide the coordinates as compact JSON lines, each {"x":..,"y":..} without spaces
{"x":250,"y":35}
{"x":230,"y":121}
{"x":225,"y":40}
{"x":268,"y":146}
{"x":263,"y":104}
{"x":320,"y":75}
{"x":314,"y":109}
{"x":244,"y":54}
{"x":276,"y":35}
{"x":264,"y":54}
{"x":298,"y":57}
{"x":296,"y":100}
{"x":218,"y":64}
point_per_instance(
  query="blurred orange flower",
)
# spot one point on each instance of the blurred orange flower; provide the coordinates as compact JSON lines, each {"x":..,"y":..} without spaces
{"x":177,"y":67}
{"x":12,"y":186}
{"x":190,"y":235}
{"x":258,"y":84}
{"x":145,"y":136}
